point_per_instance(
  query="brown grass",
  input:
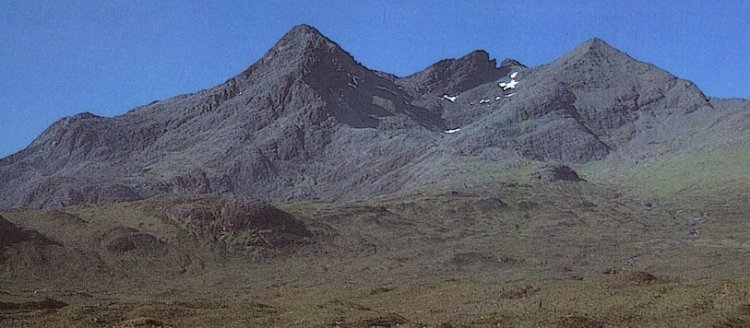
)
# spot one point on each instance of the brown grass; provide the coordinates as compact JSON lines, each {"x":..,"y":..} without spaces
{"x":434,"y":260}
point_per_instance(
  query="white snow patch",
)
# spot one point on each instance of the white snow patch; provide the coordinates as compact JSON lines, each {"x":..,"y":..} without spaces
{"x":452,"y":131}
{"x":483,"y":101}
{"x":498,"y":98}
{"x":509,"y":85}
{"x":510,"y":95}
{"x":449,"y":98}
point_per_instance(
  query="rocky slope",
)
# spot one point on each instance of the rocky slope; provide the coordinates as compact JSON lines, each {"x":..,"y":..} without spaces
{"x":307,"y":121}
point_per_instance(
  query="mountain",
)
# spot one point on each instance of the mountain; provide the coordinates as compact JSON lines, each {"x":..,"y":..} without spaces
{"x":583,"y":106}
{"x":307,"y":121}
{"x":571,"y":194}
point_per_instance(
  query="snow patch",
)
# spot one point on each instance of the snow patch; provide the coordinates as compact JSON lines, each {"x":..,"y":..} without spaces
{"x":498,"y":98}
{"x":510,"y":95}
{"x":509,"y":85}
{"x":449,"y":98}
{"x":484,"y":101}
{"x":452,"y":131}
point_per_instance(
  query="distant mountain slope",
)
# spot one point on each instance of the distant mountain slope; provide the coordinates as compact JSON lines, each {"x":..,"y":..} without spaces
{"x":592,"y":101}
{"x":307,"y":121}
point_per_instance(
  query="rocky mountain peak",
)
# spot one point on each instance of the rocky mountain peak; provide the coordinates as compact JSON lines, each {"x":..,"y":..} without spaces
{"x":303,"y":30}
{"x":304,"y":38}
{"x":303,"y":50}
{"x":597,"y":47}
{"x":477,"y":57}
{"x":308,"y":121}
{"x":510,"y":62}
{"x":594,"y":52}
{"x":456,"y":75}
{"x":304,"y":46}
{"x":596,"y":43}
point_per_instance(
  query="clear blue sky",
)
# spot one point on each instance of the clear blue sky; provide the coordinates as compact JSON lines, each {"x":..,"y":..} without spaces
{"x":58,"y":57}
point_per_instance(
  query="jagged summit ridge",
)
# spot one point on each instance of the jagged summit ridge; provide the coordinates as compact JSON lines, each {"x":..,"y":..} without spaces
{"x":456,"y":75}
{"x":307,"y":121}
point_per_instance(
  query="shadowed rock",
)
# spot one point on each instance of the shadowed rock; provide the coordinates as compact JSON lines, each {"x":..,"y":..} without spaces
{"x":456,"y":75}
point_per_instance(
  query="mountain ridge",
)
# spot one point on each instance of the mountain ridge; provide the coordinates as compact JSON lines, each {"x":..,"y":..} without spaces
{"x":307,"y":121}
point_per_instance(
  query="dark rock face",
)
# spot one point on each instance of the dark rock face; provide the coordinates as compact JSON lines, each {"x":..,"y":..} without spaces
{"x":456,"y":75}
{"x":307,"y":121}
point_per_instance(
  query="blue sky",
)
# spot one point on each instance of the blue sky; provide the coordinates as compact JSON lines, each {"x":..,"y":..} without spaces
{"x":59,"y":58}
